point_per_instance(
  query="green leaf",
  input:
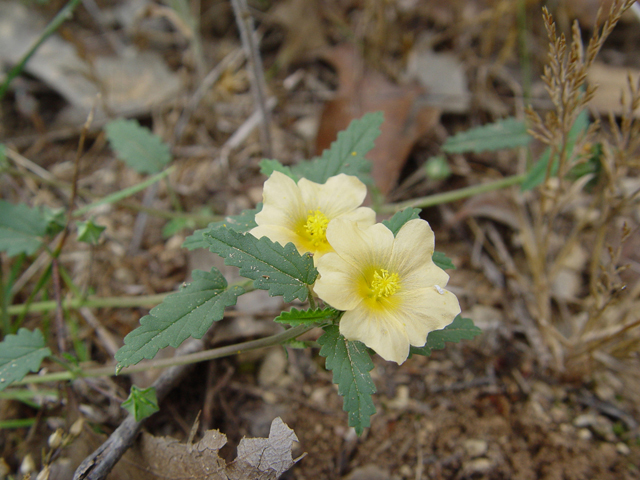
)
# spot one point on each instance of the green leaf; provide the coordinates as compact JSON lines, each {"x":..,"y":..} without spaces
{"x":137,"y":146}
{"x":505,"y":133}
{"x":280,"y":270}
{"x":239,"y":223}
{"x":306,"y":317}
{"x":56,"y":219}
{"x":396,"y":222}
{"x":141,"y":403}
{"x":89,"y":232}
{"x":21,"y":228}
{"x":350,"y":363}
{"x":267,"y":167}
{"x":347,"y":153}
{"x":3,"y":157}
{"x":442,"y":261}
{"x":538,"y":172}
{"x":187,"y":313}
{"x":459,"y":329}
{"x":21,"y":354}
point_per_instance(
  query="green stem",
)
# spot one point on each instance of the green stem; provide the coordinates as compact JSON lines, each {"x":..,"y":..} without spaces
{"x":212,"y":354}
{"x":58,"y":20}
{"x":440,"y":198}
{"x":117,"y":196}
{"x":95,"y":302}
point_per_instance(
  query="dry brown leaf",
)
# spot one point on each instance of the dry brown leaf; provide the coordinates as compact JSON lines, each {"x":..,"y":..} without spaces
{"x":362,"y":91}
{"x":258,"y":458}
{"x":611,"y":82}
{"x":164,"y":457}
{"x":305,"y":34}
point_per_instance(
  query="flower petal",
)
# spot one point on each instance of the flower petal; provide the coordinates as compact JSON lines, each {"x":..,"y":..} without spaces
{"x":413,"y":254}
{"x":337,"y":284}
{"x":339,"y":195}
{"x":381,"y":331}
{"x":278,"y":234}
{"x":368,"y":247}
{"x":427,"y":309}
{"x":283,"y":203}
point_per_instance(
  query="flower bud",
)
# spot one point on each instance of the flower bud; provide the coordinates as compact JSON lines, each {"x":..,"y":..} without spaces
{"x":55,"y":439}
{"x":76,"y":428}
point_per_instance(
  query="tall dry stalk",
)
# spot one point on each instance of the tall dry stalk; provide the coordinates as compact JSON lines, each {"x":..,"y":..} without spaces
{"x":604,"y":319}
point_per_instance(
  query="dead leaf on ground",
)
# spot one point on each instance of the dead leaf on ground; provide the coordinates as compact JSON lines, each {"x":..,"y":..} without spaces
{"x":361,"y":91}
{"x":134,"y":82}
{"x":305,"y":34}
{"x":611,"y":82}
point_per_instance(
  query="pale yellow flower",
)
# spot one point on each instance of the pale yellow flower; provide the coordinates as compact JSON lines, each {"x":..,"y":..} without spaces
{"x":390,"y":289}
{"x":300,"y":212}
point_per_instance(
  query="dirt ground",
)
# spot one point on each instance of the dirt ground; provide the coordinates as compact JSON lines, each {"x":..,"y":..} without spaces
{"x":482,"y":409}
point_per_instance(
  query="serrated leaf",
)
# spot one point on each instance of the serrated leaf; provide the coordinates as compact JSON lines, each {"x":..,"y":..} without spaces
{"x":20,"y":354}
{"x":137,"y":146}
{"x":347,"y":153}
{"x":89,"y":232}
{"x":505,"y":133}
{"x":21,"y":228}
{"x":442,"y":261}
{"x":241,"y":223}
{"x":459,"y":329}
{"x":396,"y":222}
{"x":187,"y":313}
{"x":268,"y":166}
{"x":141,"y":403}
{"x":306,"y":317}
{"x":280,"y":270}
{"x":350,"y":363}
{"x":538,"y":172}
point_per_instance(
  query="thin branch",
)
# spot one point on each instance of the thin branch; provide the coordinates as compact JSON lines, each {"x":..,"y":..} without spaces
{"x":98,"y":465}
{"x":244,"y":20}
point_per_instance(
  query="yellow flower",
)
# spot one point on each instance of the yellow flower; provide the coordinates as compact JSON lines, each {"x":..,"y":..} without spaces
{"x":300,"y":212}
{"x":390,"y":289}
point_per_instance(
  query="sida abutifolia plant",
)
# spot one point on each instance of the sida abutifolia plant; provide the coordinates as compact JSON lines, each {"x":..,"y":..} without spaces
{"x":372,"y":288}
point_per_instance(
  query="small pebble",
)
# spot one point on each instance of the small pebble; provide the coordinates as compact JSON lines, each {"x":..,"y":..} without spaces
{"x":475,"y":447}
{"x":623,"y":448}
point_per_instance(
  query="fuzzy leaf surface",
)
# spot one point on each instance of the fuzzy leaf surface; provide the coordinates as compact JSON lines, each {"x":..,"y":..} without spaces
{"x":460,"y":329}
{"x":187,"y":313}
{"x":505,"y":133}
{"x":306,"y":317}
{"x":350,"y":363}
{"x":141,"y":403}
{"x":241,"y":223}
{"x":21,"y":228}
{"x":442,"y":261}
{"x":396,"y":222}
{"x":137,"y":146}
{"x":280,"y":270}
{"x":347,"y":153}
{"x":268,"y":166}
{"x":20,"y":354}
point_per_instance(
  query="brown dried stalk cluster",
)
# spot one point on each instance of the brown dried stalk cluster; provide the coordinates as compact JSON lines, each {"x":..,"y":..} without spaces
{"x":593,"y":212}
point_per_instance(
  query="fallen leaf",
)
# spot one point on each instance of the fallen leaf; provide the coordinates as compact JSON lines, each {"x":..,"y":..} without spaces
{"x":130,"y":83}
{"x":305,"y":34}
{"x":164,"y":457}
{"x":361,"y":91}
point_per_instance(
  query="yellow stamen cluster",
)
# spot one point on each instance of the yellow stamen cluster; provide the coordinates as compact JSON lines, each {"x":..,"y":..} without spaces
{"x":316,"y":227}
{"x":384,"y":284}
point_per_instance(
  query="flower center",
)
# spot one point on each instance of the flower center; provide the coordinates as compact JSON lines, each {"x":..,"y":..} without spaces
{"x":316,"y":227}
{"x":384,"y":284}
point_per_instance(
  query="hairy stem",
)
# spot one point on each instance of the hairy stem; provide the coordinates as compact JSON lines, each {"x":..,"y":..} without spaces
{"x":214,"y":353}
